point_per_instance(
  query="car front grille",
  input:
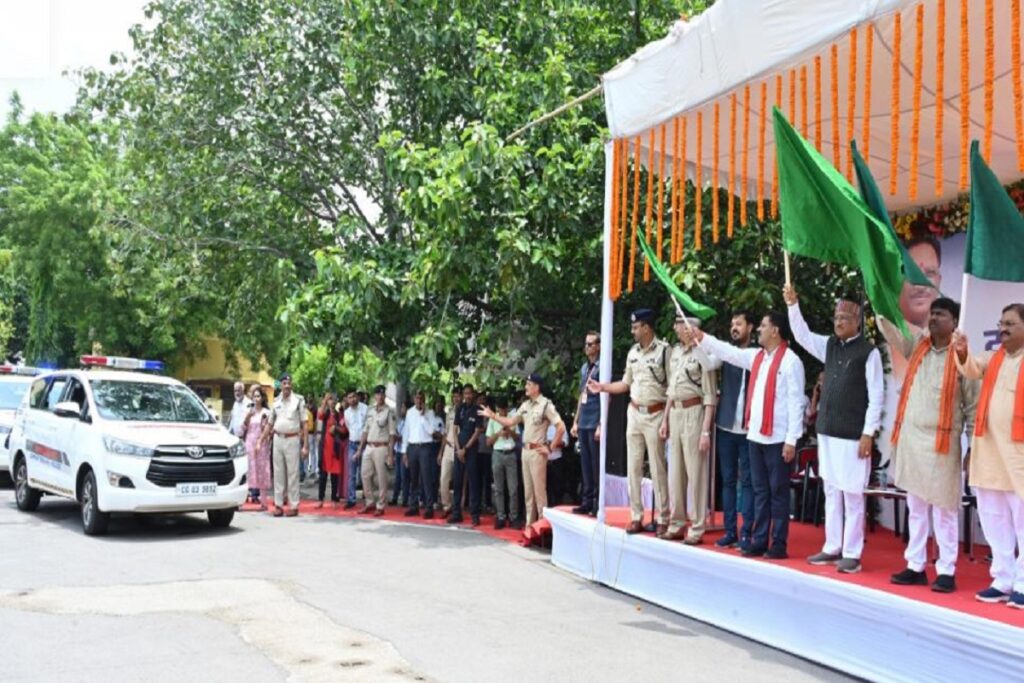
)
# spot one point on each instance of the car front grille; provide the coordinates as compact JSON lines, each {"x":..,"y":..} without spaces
{"x":182,"y":452}
{"x":172,"y":472}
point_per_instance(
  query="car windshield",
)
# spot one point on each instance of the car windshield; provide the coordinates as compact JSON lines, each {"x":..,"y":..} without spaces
{"x":147,"y":402}
{"x":12,"y":391}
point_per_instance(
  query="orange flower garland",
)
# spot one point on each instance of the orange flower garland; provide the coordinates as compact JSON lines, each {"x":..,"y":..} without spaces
{"x":714,"y":177}
{"x":746,"y":155}
{"x":869,"y":52}
{"x":1018,"y":91}
{"x":698,"y":186}
{"x":915,"y":122}
{"x":760,"y":151}
{"x":732,"y":164}
{"x":940,"y":76}
{"x":817,"y":102}
{"x":775,"y":167}
{"x":636,"y":213}
{"x":990,"y":78}
{"x":965,"y":92}
{"x":894,"y":156}
{"x":649,"y":208}
{"x":661,"y":190}
{"x":834,"y":73}
{"x":851,"y":102}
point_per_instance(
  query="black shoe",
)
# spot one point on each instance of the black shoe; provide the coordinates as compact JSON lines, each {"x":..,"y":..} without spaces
{"x":776,"y":552}
{"x":592,"y":513}
{"x":394,"y":501}
{"x":517,"y":525}
{"x":350,"y":504}
{"x":727,"y":541}
{"x":754,"y":551}
{"x":476,"y":520}
{"x":944,"y":583}
{"x":908,"y":577}
{"x":412,"y":512}
{"x":454,"y":519}
{"x":429,"y":514}
{"x":581,"y":510}
{"x":499,"y":524}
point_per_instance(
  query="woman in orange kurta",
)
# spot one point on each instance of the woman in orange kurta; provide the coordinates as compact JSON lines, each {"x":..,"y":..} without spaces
{"x":333,"y":447}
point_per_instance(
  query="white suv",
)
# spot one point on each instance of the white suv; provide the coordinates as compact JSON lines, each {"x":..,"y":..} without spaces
{"x":124,"y":442}
{"x":14,"y":381}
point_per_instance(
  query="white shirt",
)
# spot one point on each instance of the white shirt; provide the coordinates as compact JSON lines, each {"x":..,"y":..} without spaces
{"x":713,"y":362}
{"x":238,"y":412}
{"x":355,"y":418}
{"x":420,"y":427}
{"x":817,"y":345}
{"x":788,"y":417}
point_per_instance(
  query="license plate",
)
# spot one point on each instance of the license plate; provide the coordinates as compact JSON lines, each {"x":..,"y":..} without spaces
{"x":203,"y":489}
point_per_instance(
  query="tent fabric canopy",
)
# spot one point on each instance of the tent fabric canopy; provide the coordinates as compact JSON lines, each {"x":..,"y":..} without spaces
{"x":788,"y":50}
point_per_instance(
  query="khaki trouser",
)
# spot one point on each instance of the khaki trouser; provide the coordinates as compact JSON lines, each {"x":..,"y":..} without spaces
{"x":642,"y":436}
{"x":687,"y":466}
{"x":535,"y":483}
{"x":375,"y":476}
{"x":286,"y":470}
{"x":447,"y":464}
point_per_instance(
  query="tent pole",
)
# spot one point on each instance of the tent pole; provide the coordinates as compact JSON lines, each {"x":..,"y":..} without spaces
{"x":596,"y":90}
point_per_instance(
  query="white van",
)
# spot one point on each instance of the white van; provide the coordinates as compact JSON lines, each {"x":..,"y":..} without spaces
{"x":119,"y":441}
{"x":14,"y":381}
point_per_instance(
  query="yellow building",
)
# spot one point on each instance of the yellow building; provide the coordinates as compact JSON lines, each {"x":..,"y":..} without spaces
{"x":211,"y":377}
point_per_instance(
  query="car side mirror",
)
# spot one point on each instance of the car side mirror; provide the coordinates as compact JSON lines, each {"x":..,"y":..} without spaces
{"x":67,"y":409}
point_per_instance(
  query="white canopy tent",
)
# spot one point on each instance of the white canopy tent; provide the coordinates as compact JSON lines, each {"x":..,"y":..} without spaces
{"x":738,"y":45}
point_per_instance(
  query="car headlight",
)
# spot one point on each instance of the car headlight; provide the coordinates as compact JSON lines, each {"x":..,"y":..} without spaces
{"x":119,"y":447}
{"x":237,"y":450}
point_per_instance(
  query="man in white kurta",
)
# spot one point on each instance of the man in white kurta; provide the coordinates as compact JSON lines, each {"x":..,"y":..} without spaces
{"x":926,"y":449}
{"x":849,"y":414}
{"x":997,"y":454}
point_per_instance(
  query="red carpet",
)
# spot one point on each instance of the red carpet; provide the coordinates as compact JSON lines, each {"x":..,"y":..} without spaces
{"x":395,"y":513}
{"x":883,"y":556}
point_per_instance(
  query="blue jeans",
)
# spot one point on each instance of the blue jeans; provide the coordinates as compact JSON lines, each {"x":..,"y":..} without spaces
{"x":733,"y":465}
{"x":354,"y":470}
{"x":769,"y":474}
{"x":421,"y":472}
{"x":590,"y":464}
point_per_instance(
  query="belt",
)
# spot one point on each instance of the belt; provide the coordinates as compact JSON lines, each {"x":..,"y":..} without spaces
{"x":421,"y":443}
{"x":687,"y":402}
{"x":504,"y":450}
{"x":648,"y":410}
{"x":287,"y":435}
{"x":376,"y":444}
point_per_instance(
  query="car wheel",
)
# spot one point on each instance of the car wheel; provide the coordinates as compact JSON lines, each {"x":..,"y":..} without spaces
{"x":220,"y":519}
{"x":25,"y":496}
{"x":94,"y":521}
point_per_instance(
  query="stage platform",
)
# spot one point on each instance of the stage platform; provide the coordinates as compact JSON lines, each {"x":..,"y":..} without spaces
{"x":859,"y":624}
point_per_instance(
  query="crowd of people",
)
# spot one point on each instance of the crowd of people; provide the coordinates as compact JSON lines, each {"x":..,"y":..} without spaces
{"x":482,"y":453}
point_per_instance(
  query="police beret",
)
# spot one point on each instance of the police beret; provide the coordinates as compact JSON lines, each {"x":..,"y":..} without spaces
{"x":379,"y":389}
{"x":535,"y":378}
{"x":642,"y":315}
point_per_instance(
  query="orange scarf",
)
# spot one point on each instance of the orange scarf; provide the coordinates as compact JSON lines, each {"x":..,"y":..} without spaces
{"x":987,"y":385}
{"x":946,"y":397}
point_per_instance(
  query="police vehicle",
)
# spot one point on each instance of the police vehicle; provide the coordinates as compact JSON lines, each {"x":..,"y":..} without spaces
{"x":14,"y":381}
{"x":116,"y":439}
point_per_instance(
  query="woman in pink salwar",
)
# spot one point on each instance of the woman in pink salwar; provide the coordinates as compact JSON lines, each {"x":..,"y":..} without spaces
{"x":259,"y":455}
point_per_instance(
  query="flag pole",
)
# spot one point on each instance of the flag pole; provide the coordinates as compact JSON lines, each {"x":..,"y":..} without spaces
{"x":963,"y":302}
{"x":789,"y":277}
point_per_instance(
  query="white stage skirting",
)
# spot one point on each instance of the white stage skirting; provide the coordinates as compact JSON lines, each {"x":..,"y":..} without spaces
{"x":857,"y":630}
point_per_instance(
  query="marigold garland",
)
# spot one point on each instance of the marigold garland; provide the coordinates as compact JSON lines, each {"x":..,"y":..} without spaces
{"x":817,"y":102}
{"x":744,"y":180}
{"x":714,"y":177}
{"x":732,"y":165}
{"x":869,"y":54}
{"x":990,"y":78}
{"x":649,"y":207}
{"x":682,"y":194}
{"x":1018,"y":90}
{"x":698,"y":187}
{"x":803,"y":101}
{"x":965,"y":92}
{"x":661,"y":189}
{"x":940,"y":102}
{"x":915,"y":122}
{"x":775,"y":167}
{"x":894,"y":142}
{"x":674,"y":200}
{"x":834,"y":73}
{"x":636,"y":213}
{"x":623,"y":213}
{"x":614,"y":237}
{"x":760,"y":151}
{"x":851,"y":102}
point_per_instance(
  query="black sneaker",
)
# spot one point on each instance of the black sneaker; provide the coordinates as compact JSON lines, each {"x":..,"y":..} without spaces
{"x":776,"y":553}
{"x":516,"y":524}
{"x":908,"y":577}
{"x":476,"y":520}
{"x":727,"y":541}
{"x":581,"y":510}
{"x":412,"y":512}
{"x":454,"y":519}
{"x":753,"y":551}
{"x":429,"y":514}
{"x":499,"y":524}
{"x":944,"y":583}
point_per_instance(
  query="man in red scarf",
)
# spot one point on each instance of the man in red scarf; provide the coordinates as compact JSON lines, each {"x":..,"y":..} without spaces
{"x":773,"y":416}
{"x":934,"y":406}
{"x":849,"y":415}
{"x":997,"y":453}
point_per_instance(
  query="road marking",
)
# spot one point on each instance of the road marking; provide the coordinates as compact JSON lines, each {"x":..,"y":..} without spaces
{"x":299,"y":638}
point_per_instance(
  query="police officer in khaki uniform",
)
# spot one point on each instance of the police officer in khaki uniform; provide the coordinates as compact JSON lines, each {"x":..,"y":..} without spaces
{"x":646,"y":380}
{"x":288,"y":424}
{"x":536,"y":414}
{"x":379,"y":434}
{"x":692,"y":395}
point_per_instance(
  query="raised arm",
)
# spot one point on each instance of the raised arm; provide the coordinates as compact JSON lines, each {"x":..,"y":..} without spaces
{"x":814,"y":344}
{"x":971,"y":367}
{"x":742,"y":358}
{"x":894,"y":337}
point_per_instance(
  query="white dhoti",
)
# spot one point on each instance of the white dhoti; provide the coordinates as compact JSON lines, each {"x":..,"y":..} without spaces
{"x":1002,"y":520}
{"x":845,"y":476}
{"x":943,"y":523}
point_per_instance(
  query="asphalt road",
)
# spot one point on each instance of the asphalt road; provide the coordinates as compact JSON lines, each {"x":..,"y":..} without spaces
{"x":311,"y":599}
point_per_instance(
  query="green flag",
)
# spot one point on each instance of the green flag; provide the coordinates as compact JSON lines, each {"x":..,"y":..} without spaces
{"x":873,"y":198}
{"x":824,"y":218}
{"x":661,"y":272}
{"x":995,"y":230}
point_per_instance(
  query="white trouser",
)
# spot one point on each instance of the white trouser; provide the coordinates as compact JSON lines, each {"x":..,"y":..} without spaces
{"x":1002,"y":520}
{"x":842,"y":537}
{"x":944,"y":523}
